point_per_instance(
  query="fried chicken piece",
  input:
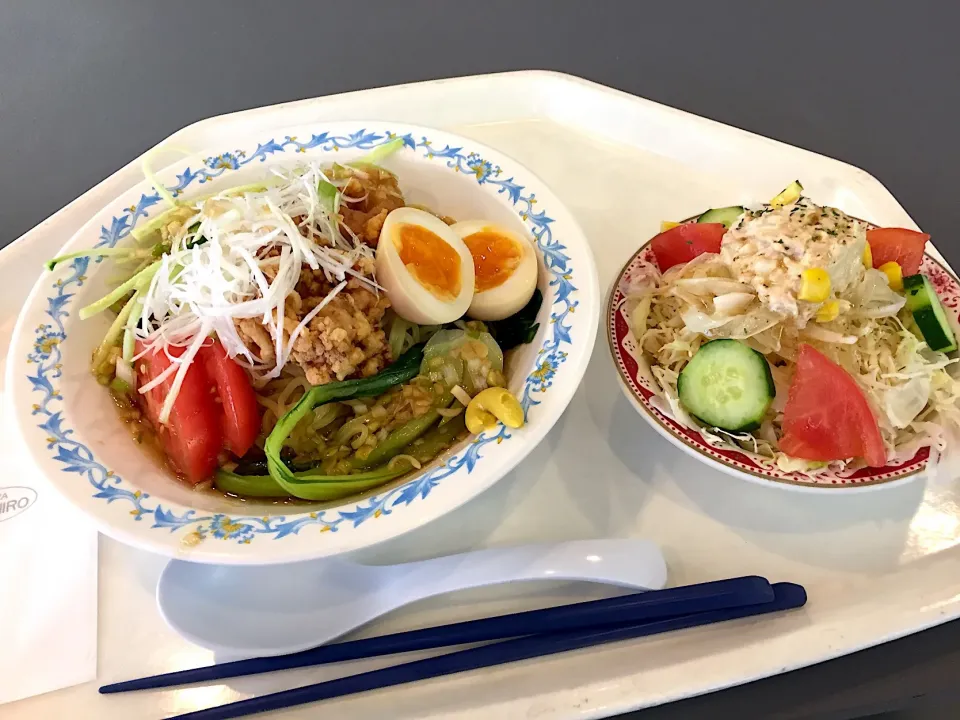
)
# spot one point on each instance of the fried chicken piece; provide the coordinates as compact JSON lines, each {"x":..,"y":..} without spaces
{"x":256,"y":337}
{"x":344,"y":339}
{"x":382,"y":194}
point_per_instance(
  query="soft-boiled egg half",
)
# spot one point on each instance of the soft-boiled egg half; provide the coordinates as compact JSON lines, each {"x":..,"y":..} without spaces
{"x":505,"y":265}
{"x":425,"y":267}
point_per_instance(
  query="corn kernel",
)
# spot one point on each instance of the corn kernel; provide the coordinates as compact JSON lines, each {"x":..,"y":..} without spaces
{"x":790,"y":194}
{"x":668,"y":225}
{"x":894,"y":275}
{"x":814,"y":285}
{"x":867,"y":256}
{"x":828,"y":311}
{"x":491,"y":405}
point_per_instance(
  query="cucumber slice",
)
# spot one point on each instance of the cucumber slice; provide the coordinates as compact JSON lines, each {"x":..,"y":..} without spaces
{"x":727,"y":385}
{"x":790,"y":194}
{"x":725,"y":216}
{"x":929,"y":314}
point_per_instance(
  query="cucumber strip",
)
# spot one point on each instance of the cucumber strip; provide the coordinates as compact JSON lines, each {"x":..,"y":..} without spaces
{"x":790,"y":194}
{"x":138,"y":282}
{"x":929,"y":314}
{"x":113,"y":334}
{"x":186,"y":210}
{"x":727,"y":385}
{"x":725,"y":216}
{"x":129,"y":337}
{"x":123,"y":253}
{"x":378,"y":154}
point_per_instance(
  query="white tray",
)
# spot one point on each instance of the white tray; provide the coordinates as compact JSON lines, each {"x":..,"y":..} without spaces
{"x":876,"y":566}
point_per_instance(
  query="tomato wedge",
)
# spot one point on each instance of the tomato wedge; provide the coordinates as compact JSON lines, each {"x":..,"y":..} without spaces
{"x":192,"y":438}
{"x":241,"y":414}
{"x":897,"y":245}
{"x":685,"y":242}
{"x":827,"y":416}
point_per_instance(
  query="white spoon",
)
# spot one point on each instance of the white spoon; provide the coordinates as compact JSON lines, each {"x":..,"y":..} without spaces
{"x":276,"y":609}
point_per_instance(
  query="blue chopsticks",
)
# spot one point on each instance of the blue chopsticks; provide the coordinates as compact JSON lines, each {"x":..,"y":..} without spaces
{"x":786,"y":596}
{"x":628,"y":609}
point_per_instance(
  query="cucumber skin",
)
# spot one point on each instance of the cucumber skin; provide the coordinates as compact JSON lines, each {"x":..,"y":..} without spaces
{"x":719,"y":215}
{"x":768,"y":376}
{"x":921,"y":296}
{"x":912,"y":285}
{"x":928,"y":316}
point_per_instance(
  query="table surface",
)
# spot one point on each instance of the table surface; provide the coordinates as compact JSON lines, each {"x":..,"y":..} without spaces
{"x":87,"y":85}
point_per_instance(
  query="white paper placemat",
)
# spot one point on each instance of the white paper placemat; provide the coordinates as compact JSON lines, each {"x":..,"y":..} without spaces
{"x":48,"y":578}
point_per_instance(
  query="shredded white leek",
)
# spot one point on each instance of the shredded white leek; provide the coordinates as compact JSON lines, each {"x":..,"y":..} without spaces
{"x":461,"y":395}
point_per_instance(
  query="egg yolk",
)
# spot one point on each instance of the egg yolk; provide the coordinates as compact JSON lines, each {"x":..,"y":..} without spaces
{"x":430,"y":260}
{"x":495,"y":257}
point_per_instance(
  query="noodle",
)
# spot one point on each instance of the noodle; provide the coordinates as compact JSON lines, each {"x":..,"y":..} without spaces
{"x":361,"y":438}
{"x":404,"y":458}
{"x":283,"y":399}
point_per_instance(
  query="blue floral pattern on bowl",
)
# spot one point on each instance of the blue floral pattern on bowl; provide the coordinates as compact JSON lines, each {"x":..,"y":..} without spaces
{"x":75,"y":457}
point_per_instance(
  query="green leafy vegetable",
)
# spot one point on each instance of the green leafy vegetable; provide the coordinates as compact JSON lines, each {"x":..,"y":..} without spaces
{"x":437,"y":440}
{"x":197,"y":238}
{"x":329,"y":197}
{"x":259,"y":467}
{"x":309,"y":485}
{"x":521,"y":327}
{"x":395,"y":442}
{"x":405,"y":368}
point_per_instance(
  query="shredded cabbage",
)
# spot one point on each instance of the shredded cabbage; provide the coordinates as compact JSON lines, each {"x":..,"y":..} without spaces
{"x":874,"y":298}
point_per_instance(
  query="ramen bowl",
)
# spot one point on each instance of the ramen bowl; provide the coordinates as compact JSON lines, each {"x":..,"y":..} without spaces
{"x":71,"y":429}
